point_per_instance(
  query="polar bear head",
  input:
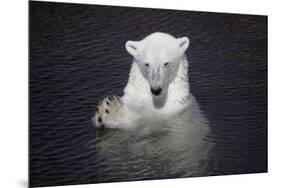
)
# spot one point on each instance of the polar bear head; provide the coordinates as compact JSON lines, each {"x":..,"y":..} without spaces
{"x":158,"y":56}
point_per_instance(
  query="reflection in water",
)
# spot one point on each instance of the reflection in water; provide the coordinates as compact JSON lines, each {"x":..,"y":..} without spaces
{"x":178,"y":149}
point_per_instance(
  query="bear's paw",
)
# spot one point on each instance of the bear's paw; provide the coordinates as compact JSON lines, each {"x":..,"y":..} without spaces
{"x":109,"y":112}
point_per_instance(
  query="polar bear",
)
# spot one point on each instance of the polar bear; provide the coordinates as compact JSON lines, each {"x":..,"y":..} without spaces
{"x":156,"y":126}
{"x":157,"y":92}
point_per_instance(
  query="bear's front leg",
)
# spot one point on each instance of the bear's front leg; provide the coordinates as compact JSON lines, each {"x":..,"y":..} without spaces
{"x":113,"y":113}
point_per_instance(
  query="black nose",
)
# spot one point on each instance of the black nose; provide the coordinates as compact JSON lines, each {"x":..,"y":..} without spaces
{"x":156,"y":91}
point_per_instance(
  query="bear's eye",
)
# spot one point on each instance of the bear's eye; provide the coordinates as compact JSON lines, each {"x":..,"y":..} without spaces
{"x":146,"y":64}
{"x":166,"y":64}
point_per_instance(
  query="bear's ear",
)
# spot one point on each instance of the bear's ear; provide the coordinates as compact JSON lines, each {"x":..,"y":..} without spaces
{"x":132,"y":47}
{"x":183,"y":43}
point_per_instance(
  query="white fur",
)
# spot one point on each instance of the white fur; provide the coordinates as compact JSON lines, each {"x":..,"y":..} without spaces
{"x":159,"y":62}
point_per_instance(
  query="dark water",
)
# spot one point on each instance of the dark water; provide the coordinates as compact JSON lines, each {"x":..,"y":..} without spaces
{"x":77,"y":57}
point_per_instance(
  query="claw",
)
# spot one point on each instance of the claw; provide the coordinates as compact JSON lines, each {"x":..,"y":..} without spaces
{"x":110,"y":98}
{"x":107,"y":102}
